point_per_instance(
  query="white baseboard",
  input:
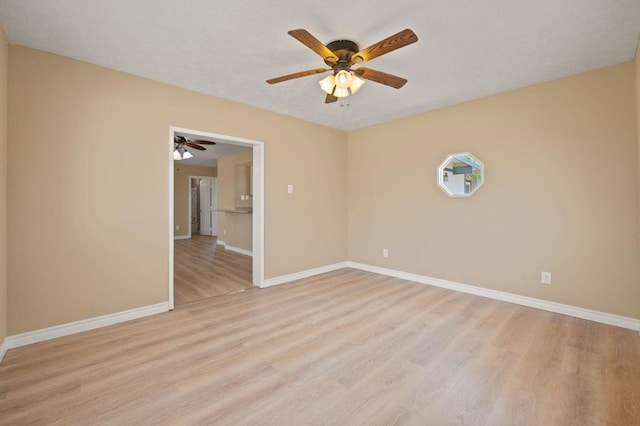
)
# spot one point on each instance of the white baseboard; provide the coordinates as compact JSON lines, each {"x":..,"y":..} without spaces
{"x":303,"y":274}
{"x":61,"y":330}
{"x":574,"y":311}
{"x":18,"y":340}
{"x":3,"y":349}
{"x":181,"y":237}
{"x":238,"y":250}
{"x":221,"y":243}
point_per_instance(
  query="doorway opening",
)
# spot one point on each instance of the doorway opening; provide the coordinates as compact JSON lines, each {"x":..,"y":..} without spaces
{"x":202,"y":206}
{"x":251,"y":210}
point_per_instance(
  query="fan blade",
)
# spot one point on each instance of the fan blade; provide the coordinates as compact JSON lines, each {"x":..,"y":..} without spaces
{"x":329,"y":99}
{"x":389,"y":44}
{"x":381,"y":77}
{"x":305,"y":37}
{"x":201,"y":142}
{"x":297,"y":75}
{"x":194,"y":146}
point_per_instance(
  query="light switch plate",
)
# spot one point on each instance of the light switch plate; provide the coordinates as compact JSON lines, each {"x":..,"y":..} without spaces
{"x":545,"y":278}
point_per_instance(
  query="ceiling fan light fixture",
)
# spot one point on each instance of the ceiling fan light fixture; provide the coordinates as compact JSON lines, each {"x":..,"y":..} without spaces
{"x":341,"y":85}
{"x":181,"y":153}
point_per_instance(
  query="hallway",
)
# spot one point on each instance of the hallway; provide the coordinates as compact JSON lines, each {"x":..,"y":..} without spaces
{"x":203,"y":269}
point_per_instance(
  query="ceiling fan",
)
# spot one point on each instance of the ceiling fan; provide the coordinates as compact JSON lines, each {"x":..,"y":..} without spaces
{"x":180,"y":144}
{"x":341,"y":55}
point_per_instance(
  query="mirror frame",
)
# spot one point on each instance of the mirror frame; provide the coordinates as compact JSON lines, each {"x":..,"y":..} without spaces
{"x":440,"y":172}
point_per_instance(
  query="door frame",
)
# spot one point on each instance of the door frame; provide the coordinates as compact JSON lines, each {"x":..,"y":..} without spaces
{"x":258,"y":201}
{"x":215,"y":181}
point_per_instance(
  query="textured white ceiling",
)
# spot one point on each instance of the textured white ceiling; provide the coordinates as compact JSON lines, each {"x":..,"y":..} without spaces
{"x":467,"y":48}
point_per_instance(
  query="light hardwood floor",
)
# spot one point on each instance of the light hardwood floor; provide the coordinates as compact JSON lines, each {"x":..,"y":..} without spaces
{"x":347,"y":347}
{"x":203,"y":269}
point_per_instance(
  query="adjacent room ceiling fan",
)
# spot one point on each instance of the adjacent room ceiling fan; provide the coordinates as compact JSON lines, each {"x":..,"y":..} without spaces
{"x":180,"y":144}
{"x":341,"y":55}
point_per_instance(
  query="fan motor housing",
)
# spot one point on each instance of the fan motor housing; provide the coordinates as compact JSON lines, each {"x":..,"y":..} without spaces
{"x":343,"y":49}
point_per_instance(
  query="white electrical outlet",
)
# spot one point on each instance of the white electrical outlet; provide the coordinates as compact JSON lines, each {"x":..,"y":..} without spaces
{"x":290,"y":189}
{"x":224,"y":232}
{"x":177,"y":227}
{"x":545,"y":278}
{"x":385,"y":252}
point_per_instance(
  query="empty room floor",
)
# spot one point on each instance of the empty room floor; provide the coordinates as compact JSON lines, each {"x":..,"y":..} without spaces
{"x":204,"y":269}
{"x":347,"y":347}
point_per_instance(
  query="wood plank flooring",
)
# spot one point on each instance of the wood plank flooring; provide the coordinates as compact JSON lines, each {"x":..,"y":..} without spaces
{"x":204,"y":269}
{"x":343,"y":348}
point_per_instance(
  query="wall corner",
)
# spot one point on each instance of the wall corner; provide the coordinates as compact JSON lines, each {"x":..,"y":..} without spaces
{"x":4,"y":72}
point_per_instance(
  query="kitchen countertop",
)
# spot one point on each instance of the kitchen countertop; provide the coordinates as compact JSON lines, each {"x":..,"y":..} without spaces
{"x":239,"y":211}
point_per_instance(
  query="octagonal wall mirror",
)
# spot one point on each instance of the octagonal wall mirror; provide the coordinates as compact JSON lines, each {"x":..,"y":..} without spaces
{"x":461,"y":174}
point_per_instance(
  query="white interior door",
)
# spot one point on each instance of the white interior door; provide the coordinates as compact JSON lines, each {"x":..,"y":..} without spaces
{"x":195,"y":210}
{"x":207,"y":206}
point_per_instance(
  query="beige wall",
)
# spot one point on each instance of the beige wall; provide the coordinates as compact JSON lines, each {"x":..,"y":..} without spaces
{"x":561,"y":191}
{"x":4,"y":56}
{"x":234,"y":229}
{"x":89,"y":226}
{"x":181,"y":194}
{"x":560,"y":194}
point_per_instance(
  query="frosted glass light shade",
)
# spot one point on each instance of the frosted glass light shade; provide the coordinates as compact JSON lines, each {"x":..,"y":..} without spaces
{"x":327,"y":84}
{"x":343,"y":79}
{"x":187,"y":155}
{"x":176,"y":155}
{"x":341,"y":92}
{"x":356,"y":84}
